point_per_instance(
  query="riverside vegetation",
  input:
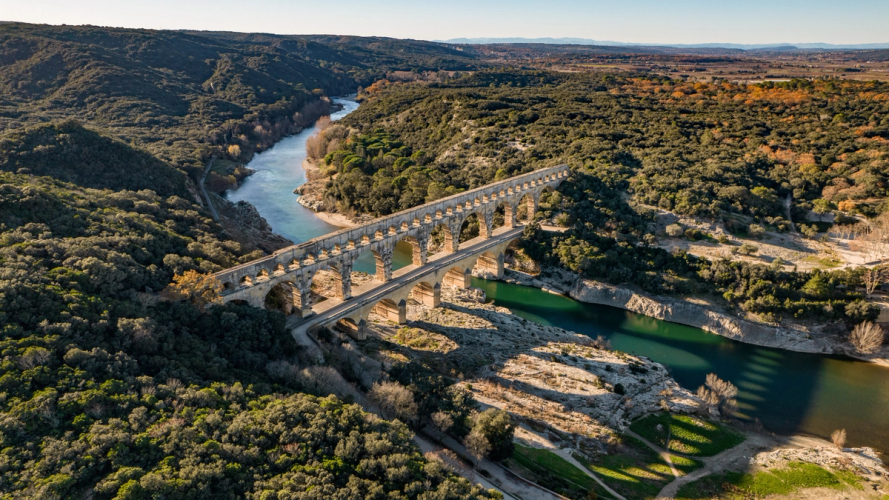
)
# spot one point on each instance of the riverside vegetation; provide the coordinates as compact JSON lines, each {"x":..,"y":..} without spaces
{"x":110,"y":389}
{"x":732,"y":153}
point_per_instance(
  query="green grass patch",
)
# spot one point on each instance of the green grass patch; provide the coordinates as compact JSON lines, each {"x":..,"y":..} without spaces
{"x":637,"y":471}
{"x":688,"y":435}
{"x":823,"y":262}
{"x":796,"y":476}
{"x":554,"y":472}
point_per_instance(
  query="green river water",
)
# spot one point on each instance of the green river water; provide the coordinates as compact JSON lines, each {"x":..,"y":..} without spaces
{"x":789,"y":392}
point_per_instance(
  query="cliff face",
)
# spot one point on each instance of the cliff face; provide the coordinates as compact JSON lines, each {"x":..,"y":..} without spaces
{"x":700,"y":316}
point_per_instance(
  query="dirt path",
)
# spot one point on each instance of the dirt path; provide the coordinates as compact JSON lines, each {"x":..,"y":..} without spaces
{"x":719,"y":463}
{"x":204,"y":190}
{"x":657,"y":449}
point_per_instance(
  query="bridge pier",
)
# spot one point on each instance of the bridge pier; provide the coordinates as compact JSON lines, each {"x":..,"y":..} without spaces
{"x":457,"y":278}
{"x":486,"y":224}
{"x":508,"y":216}
{"x":357,"y":331}
{"x":491,"y":263}
{"x":429,"y":296}
{"x":384,"y":264}
{"x":392,"y":311}
{"x":343,"y":288}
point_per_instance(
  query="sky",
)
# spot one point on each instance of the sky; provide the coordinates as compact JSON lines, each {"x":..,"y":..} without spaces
{"x":639,"y":21}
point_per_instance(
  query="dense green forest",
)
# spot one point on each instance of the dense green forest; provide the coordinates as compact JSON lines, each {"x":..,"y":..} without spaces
{"x":184,"y":96}
{"x":109,"y":389}
{"x":716,"y":150}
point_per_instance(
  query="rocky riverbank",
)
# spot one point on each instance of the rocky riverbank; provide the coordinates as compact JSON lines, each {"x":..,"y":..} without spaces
{"x":311,"y":197}
{"x":697,"y":313}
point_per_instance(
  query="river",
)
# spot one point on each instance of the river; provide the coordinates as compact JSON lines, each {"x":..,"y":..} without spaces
{"x":788,"y":392}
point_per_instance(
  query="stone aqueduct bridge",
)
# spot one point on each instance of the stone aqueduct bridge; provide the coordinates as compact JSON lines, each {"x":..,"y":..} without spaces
{"x":295,"y":266}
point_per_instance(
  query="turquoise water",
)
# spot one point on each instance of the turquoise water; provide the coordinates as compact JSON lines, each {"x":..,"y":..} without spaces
{"x":278,"y":172}
{"x":787,"y":391}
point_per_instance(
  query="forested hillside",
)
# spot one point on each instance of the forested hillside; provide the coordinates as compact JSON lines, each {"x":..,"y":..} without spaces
{"x":183,"y":96}
{"x":715,"y":150}
{"x":113,"y":383}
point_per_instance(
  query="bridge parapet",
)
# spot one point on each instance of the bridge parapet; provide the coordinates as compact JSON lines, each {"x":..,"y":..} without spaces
{"x":297,"y":264}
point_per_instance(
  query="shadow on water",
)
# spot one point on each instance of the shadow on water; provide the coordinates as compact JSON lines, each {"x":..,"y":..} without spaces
{"x":789,"y":392}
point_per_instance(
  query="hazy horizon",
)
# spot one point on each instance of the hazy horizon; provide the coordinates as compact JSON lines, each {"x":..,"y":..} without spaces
{"x":758,"y":22}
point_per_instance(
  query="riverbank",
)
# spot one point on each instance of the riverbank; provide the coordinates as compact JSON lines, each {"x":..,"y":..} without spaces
{"x":696,"y":313}
{"x":574,"y":396}
{"x":310,"y":196}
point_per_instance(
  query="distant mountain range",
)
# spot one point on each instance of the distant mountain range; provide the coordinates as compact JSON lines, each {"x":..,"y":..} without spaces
{"x":741,"y":46}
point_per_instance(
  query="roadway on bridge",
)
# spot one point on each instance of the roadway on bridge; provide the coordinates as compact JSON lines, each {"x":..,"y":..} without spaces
{"x":335,"y":309}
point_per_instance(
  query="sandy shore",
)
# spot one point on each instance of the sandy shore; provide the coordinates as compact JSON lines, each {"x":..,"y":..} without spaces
{"x":339,"y":220}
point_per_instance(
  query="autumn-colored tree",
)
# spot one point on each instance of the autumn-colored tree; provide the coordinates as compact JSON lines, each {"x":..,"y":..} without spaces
{"x":839,"y":438}
{"x":199,"y":289}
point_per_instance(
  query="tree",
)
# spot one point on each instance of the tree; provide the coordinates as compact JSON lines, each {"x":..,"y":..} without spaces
{"x":839,"y":438}
{"x":442,"y":423}
{"x":861,"y":310}
{"x":395,"y":400}
{"x":497,"y":426}
{"x":719,"y":394}
{"x":477,"y":445}
{"x":756,"y":231}
{"x":748,"y":249}
{"x":199,"y":289}
{"x":817,"y":287}
{"x":821,"y":207}
{"x":874,"y":277}
{"x":867,"y":337}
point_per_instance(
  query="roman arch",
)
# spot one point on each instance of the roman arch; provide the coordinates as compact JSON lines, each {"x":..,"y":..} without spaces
{"x":296,"y":265}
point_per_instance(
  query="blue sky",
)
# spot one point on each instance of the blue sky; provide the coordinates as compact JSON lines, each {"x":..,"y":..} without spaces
{"x":643,"y":21}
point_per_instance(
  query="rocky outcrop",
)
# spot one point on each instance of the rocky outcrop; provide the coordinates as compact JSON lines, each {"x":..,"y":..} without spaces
{"x":683,"y":312}
{"x":243,"y":223}
{"x":700,"y":316}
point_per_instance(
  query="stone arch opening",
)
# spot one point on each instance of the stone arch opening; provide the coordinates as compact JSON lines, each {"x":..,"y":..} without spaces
{"x":503,"y":216}
{"x":426,"y":293}
{"x":280,"y":269}
{"x":550,"y":204}
{"x":284,"y":298}
{"x":239,"y":302}
{"x":441,"y":239}
{"x":262,"y":275}
{"x":419,"y":248}
{"x":391,"y":310}
{"x":526,"y":208}
{"x":228,"y":286}
{"x":470,"y":229}
{"x":245,"y":281}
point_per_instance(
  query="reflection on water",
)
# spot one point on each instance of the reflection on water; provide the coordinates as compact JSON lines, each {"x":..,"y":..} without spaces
{"x":278,"y":172}
{"x":788,"y":391}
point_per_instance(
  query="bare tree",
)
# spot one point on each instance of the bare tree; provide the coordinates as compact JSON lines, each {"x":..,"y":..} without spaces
{"x":867,"y":337}
{"x":478,"y":445}
{"x":395,"y":400}
{"x":839,"y":438}
{"x":442,"y":423}
{"x":874,"y":277}
{"x":718,"y":393}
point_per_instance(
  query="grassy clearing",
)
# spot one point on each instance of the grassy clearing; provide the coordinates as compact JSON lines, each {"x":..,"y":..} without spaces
{"x":554,"y":472}
{"x":794,"y":477}
{"x":637,"y":471}
{"x":417,"y":339}
{"x":688,"y":435}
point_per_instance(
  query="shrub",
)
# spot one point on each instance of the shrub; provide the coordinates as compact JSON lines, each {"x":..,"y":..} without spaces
{"x":867,"y":337}
{"x":674,"y":230}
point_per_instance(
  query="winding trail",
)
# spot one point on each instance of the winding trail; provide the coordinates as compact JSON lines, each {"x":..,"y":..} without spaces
{"x":718,"y":463}
{"x":204,"y":189}
{"x":566,"y":454}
